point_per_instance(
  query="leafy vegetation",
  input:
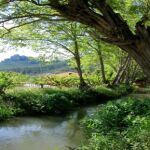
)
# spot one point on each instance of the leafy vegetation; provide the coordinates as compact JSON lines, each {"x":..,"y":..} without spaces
{"x":123,"y":28}
{"x":106,"y":42}
{"x":6,"y":112}
{"x":57,"y":101}
{"x":123,"y":125}
{"x":7,"y":109}
{"x":9,"y":80}
{"x":69,"y":79}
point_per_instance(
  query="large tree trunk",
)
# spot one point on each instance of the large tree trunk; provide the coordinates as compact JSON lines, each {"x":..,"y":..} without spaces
{"x":140,"y":51}
{"x":112,"y":26}
{"x":99,"y":15}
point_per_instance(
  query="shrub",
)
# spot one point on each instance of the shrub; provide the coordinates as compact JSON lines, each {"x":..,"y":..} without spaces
{"x":64,"y":80}
{"x":43,"y":102}
{"x":9,"y":80}
{"x":5,"y":82}
{"x":120,"y":125}
{"x":6,"y":112}
{"x":57,"y":103}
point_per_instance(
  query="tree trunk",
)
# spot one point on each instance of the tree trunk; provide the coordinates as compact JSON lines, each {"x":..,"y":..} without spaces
{"x":128,"y":74}
{"x":112,"y":26}
{"x":140,"y":52}
{"x":101,"y":16}
{"x":99,"y":52}
{"x":135,"y":72}
{"x":82,"y":85}
{"x":121,"y":72}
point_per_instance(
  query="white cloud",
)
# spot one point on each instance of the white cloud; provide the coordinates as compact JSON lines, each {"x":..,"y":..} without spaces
{"x":21,"y":51}
{"x":7,"y":50}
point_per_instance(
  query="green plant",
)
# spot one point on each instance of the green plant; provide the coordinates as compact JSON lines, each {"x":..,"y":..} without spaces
{"x":120,"y":125}
{"x":6,"y":112}
{"x":57,"y":103}
{"x":9,"y":80}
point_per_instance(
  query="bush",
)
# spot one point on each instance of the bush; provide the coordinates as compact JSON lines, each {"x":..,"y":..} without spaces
{"x":120,"y":125}
{"x":5,"y":82}
{"x":6,"y":112}
{"x":9,"y":80}
{"x":35,"y":102}
{"x":56,"y":101}
{"x":60,"y":80}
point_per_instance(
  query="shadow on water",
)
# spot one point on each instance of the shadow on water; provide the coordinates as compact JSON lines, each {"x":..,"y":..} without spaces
{"x":43,"y":133}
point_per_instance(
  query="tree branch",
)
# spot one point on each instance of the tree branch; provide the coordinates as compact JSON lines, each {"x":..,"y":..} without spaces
{"x":20,"y":25}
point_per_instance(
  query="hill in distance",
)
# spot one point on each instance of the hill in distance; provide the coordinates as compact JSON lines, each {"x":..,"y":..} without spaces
{"x":27,"y":65}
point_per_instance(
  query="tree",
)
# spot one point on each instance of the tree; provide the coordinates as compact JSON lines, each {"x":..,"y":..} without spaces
{"x":107,"y":16}
{"x":70,"y":37}
{"x":127,"y":71}
{"x":61,"y":38}
{"x":96,"y":45}
{"x":121,"y":71}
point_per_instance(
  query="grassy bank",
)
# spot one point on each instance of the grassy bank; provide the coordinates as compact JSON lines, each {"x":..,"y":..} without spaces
{"x":55,"y":101}
{"x":121,"y":125}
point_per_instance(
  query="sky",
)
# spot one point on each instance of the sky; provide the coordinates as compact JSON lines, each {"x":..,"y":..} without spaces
{"x":8,"y":51}
{"x":21,"y":51}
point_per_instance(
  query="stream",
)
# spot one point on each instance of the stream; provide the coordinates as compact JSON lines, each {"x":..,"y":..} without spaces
{"x":43,"y":133}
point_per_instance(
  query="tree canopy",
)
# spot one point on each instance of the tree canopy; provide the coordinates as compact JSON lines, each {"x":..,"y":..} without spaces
{"x":124,"y":23}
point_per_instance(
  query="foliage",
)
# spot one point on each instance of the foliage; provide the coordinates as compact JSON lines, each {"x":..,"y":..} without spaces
{"x":58,"y":80}
{"x":57,"y":38}
{"x":57,"y":101}
{"x":42,"y":103}
{"x":5,"y":82}
{"x":6,"y":112}
{"x":121,"y":125}
{"x":9,"y":80}
{"x":41,"y":24}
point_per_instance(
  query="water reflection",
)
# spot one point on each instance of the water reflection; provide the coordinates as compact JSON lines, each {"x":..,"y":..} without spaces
{"x":43,"y":133}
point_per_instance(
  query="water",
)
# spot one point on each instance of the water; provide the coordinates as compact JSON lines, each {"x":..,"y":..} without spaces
{"x":43,"y":133}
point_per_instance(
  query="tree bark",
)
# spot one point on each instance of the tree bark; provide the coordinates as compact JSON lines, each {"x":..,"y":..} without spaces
{"x":140,"y":51}
{"x":121,"y":72}
{"x":99,"y":52}
{"x":83,"y":84}
{"x":112,"y":26}
{"x":99,"y":15}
